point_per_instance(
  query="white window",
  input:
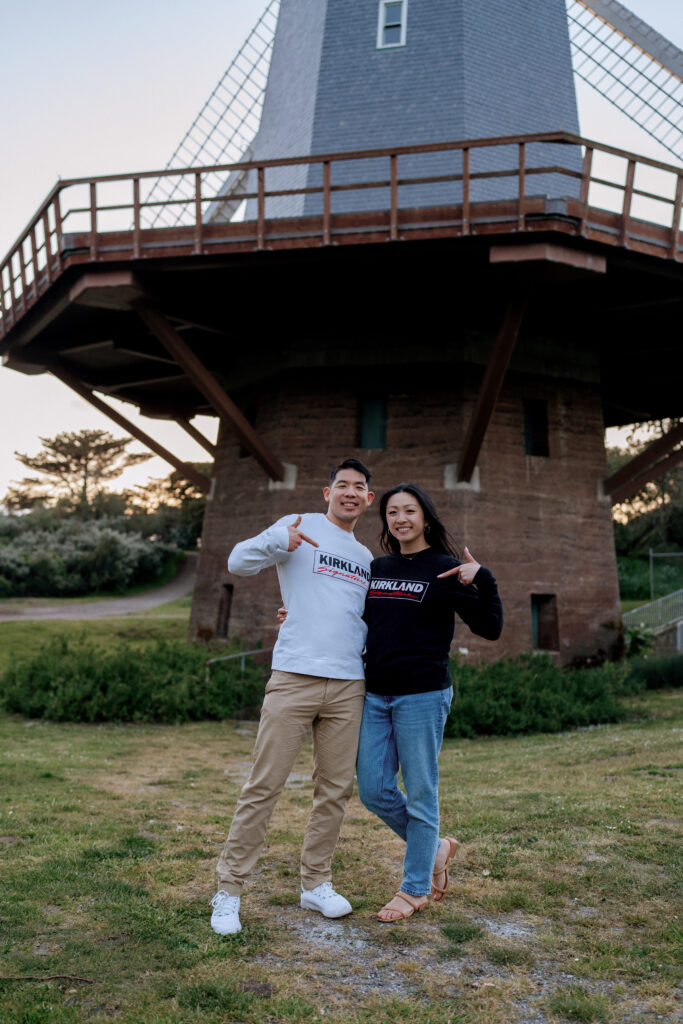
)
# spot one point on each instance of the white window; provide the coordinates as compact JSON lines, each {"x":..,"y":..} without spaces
{"x":391,"y":23}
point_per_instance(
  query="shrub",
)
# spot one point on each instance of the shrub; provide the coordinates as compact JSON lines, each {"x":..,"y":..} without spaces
{"x":638,"y":640}
{"x":74,"y":681}
{"x":531,"y":694}
{"x":68,"y":681}
{"x":75,"y":558}
{"x":658,"y":672}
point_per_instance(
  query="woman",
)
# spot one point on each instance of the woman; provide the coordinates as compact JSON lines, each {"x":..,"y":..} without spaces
{"x":414,"y":592}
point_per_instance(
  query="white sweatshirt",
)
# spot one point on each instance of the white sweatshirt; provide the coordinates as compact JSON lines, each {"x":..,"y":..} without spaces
{"x":323,"y":590}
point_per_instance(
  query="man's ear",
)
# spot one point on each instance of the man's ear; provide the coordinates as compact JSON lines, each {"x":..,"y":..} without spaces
{"x":371,"y":497}
{"x":326,"y":493}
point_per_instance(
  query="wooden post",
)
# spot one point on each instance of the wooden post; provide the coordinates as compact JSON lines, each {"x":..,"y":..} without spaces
{"x":676,"y":222}
{"x":586,"y":171}
{"x":261,"y":204}
{"x":659,"y":447}
{"x":48,"y":247}
{"x":490,"y":387}
{"x":327,"y":201}
{"x":34,"y":260}
{"x":93,"y":220}
{"x":206,"y":384}
{"x":136,"y":218}
{"x":197,"y":435}
{"x":628,"y":196}
{"x":522,"y":187}
{"x":58,"y":223}
{"x":466,"y":190}
{"x":634,"y":484}
{"x":393,"y":231}
{"x":22,"y":271}
{"x":188,"y":471}
{"x":3,"y":308}
{"x":198,"y":213}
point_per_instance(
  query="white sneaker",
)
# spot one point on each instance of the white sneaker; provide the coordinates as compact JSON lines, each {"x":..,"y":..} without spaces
{"x":225,"y":918}
{"x":324,"y":899}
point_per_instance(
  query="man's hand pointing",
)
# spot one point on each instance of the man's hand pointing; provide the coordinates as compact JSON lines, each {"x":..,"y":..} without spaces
{"x":296,"y":536}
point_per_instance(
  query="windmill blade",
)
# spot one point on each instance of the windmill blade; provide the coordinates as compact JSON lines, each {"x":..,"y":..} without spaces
{"x":631,"y":65}
{"x":222,"y":132}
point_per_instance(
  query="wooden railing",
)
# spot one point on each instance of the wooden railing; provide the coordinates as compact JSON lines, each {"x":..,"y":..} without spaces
{"x":60,"y":234}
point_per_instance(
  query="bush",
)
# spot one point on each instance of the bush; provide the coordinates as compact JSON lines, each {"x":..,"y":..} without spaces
{"x":76,"y":558}
{"x":531,"y":694}
{"x":659,"y":672}
{"x":74,"y":681}
{"x":70,"y":681}
{"x":638,"y":640}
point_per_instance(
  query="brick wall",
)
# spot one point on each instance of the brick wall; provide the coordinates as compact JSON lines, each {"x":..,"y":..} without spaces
{"x":538,"y":523}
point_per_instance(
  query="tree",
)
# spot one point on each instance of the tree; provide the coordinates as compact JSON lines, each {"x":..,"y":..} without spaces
{"x":171,"y":508}
{"x":74,"y":468}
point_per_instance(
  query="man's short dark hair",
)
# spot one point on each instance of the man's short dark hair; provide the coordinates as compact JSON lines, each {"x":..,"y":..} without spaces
{"x":356,"y":464}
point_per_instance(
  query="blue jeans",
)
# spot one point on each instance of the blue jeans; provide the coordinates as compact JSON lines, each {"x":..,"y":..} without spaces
{"x":405,"y":732}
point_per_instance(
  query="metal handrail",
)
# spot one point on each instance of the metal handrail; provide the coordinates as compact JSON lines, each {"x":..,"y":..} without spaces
{"x":242,"y":655}
{"x":36,"y":259}
{"x":657,"y":614}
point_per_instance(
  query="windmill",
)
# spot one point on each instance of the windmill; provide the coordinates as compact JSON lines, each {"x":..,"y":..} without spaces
{"x":384,"y":234}
{"x":631,"y":65}
{"x":618,"y":55}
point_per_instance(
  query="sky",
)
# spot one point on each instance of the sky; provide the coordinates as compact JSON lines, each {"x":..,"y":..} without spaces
{"x":92,"y":89}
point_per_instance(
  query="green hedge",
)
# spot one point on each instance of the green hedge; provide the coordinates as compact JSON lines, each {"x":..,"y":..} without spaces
{"x":657,"y":672}
{"x":531,"y":694}
{"x":69,"y":681}
{"x":74,"y":681}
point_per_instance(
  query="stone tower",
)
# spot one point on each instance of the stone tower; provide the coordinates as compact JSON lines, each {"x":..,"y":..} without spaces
{"x":382,"y":352}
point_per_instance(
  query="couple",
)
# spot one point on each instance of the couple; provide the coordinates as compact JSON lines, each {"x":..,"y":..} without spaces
{"x":336,"y":596}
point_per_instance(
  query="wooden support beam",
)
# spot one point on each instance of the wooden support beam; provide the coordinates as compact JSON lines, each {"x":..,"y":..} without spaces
{"x":632,"y":487}
{"x":662,"y":446}
{"x":162,"y":329}
{"x":490,"y":387}
{"x":187,"y":471}
{"x":183,"y":422}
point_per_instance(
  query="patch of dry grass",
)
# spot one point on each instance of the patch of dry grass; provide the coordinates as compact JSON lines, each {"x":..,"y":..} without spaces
{"x":562,"y":907}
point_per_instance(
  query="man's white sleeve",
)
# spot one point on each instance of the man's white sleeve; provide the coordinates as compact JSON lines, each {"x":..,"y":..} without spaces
{"x":268,"y":548}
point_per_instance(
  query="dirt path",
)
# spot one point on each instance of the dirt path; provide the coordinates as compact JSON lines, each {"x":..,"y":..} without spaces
{"x":102,"y":608}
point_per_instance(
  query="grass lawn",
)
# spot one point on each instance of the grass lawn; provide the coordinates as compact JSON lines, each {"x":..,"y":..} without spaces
{"x":563,"y":907}
{"x":631,"y":604}
{"x":628,"y":606}
{"x":166,"y":622}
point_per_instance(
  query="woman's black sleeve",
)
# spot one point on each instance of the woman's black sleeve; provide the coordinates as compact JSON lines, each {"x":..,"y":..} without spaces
{"x":479,"y":605}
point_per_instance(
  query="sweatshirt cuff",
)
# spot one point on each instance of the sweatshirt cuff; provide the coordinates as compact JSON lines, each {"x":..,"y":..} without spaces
{"x":280,"y":535}
{"x":484,"y":580}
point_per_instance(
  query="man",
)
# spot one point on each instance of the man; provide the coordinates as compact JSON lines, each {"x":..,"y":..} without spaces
{"x":317,"y":681}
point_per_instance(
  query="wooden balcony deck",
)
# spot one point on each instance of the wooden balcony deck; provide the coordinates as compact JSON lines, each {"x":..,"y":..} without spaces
{"x":68,"y":232}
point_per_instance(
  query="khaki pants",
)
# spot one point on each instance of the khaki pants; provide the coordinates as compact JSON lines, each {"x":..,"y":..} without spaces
{"x":293,"y":702}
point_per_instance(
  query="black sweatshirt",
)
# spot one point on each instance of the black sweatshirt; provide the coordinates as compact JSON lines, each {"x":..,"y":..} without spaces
{"x":410,"y":617}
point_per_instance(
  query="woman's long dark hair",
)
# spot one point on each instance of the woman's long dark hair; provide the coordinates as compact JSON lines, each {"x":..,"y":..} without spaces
{"x":437,"y":535}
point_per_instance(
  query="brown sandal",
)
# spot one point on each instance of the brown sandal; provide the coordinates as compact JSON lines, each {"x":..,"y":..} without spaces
{"x":437,"y":891}
{"x":415,"y":908}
